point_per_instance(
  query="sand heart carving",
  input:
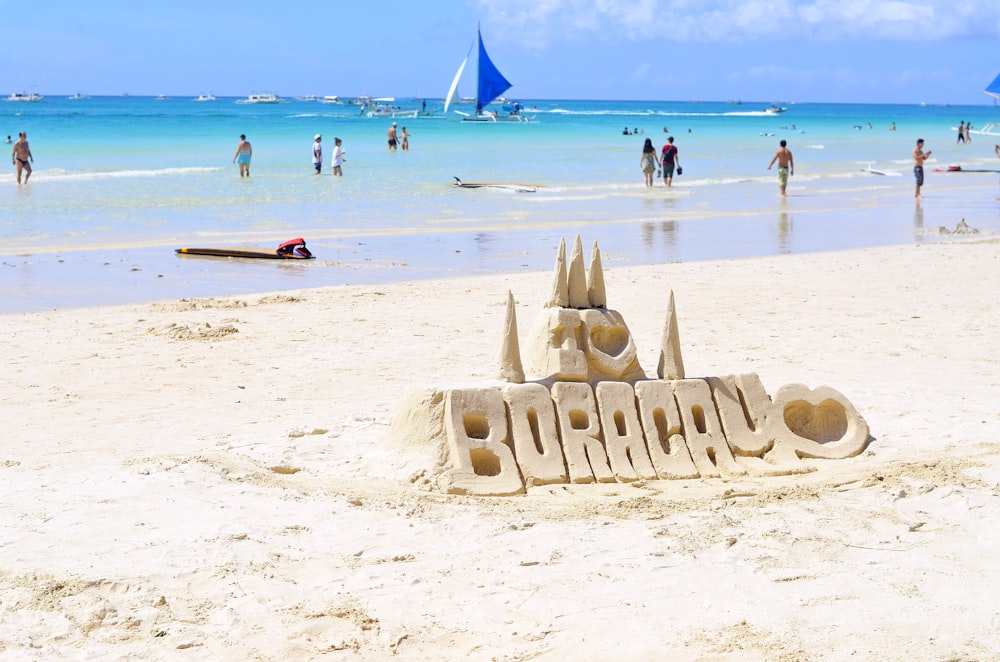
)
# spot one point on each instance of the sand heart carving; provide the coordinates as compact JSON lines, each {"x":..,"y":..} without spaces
{"x":608,"y":341}
{"x":821,"y":423}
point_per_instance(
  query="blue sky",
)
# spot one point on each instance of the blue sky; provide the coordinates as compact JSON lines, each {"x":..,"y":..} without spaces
{"x":892,"y":51}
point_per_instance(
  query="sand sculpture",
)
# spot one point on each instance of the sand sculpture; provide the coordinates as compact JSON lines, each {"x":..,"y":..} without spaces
{"x":592,"y":414}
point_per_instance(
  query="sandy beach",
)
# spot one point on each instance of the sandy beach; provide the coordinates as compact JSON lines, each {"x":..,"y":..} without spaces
{"x":206,"y":478}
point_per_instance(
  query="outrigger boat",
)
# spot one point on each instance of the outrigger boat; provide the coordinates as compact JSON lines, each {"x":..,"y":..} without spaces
{"x":490,"y":84}
{"x":991,"y":129}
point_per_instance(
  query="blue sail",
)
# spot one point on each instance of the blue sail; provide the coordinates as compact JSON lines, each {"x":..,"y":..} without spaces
{"x":993,"y":89}
{"x":491,"y":82}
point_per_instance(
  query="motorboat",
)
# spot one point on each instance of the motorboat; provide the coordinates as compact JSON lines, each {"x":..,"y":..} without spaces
{"x":205,"y":97}
{"x":261,"y":98}
{"x":25,"y":96}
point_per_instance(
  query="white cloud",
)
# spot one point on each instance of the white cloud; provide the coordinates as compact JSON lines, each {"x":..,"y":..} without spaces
{"x":536,"y":24}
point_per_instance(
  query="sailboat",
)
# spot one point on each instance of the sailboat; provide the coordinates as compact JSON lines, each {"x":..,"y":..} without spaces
{"x":992,"y":129}
{"x":490,"y":84}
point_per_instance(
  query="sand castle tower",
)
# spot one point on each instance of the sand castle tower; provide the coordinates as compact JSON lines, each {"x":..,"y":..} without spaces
{"x":576,"y":338}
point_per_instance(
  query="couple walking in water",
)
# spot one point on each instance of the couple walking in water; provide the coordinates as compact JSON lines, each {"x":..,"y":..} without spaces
{"x":668,"y":161}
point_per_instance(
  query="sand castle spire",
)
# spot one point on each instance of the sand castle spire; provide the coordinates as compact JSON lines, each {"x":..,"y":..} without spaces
{"x":511,"y":369}
{"x":595,"y":280}
{"x":560,"y":293}
{"x":671,"y":365}
{"x":577,"y":277}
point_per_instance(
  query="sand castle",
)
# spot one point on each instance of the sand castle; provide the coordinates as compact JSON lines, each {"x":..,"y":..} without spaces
{"x":591,"y":414}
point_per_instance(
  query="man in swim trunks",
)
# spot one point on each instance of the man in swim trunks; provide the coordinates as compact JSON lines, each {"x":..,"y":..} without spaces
{"x":669,"y":160}
{"x":21,"y":157}
{"x":244,"y":151}
{"x":919,"y":156}
{"x":392,"y":136}
{"x":786,"y":166}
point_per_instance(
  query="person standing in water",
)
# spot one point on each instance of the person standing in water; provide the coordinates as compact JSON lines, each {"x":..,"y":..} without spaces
{"x":338,"y":157}
{"x":648,"y":161}
{"x":318,"y":153}
{"x":786,"y":166}
{"x":405,"y":142}
{"x":21,"y":157}
{"x":244,"y":151}
{"x":996,"y":150}
{"x":392,"y":136}
{"x":669,"y":160}
{"x":919,"y":156}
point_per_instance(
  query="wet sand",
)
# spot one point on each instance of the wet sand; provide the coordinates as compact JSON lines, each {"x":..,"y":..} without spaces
{"x":689,"y":223}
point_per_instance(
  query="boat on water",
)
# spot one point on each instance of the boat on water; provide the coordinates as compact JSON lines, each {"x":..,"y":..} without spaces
{"x":77,"y":96}
{"x":490,"y":84}
{"x":775,"y":110}
{"x":389,"y":111}
{"x":991,"y":129}
{"x":25,"y":96}
{"x":261,"y":98}
{"x":205,"y":97}
{"x":332,"y":98}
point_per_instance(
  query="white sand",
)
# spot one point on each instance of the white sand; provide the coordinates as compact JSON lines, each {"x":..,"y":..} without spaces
{"x":225,"y":496}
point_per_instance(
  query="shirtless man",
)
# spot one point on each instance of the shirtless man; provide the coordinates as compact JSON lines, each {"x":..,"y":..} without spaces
{"x":786,"y":166}
{"x":244,"y":152}
{"x":21,"y":157}
{"x":392,"y":136}
{"x":919,"y":156}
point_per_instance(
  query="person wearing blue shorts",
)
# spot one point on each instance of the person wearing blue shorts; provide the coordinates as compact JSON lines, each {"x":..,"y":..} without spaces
{"x":919,"y":156}
{"x":244,"y":151}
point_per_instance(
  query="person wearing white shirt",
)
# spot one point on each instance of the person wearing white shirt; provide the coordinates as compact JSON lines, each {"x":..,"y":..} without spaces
{"x":338,"y":157}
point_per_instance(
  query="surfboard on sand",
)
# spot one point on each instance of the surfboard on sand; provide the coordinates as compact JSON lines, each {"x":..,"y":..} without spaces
{"x":520,"y":188}
{"x":294,"y":249}
{"x":241,"y":252}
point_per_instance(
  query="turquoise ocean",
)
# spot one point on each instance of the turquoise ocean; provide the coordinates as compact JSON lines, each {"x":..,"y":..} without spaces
{"x":120,"y":182}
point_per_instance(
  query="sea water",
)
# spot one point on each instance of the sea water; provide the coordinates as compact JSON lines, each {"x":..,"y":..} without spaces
{"x":120,"y":182}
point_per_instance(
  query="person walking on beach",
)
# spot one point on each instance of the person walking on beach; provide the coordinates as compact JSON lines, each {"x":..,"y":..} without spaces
{"x":669,"y":159}
{"x":21,"y":157}
{"x":405,"y":142}
{"x":919,"y":156}
{"x":786,"y":166}
{"x":648,"y":161}
{"x":961,"y":132}
{"x":338,"y":157}
{"x":392,"y":136}
{"x":244,"y":151}
{"x":318,"y":153}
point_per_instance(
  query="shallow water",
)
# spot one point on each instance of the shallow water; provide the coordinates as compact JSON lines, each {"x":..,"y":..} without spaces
{"x":121,"y":182}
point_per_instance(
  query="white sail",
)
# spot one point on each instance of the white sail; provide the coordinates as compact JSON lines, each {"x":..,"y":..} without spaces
{"x":453,"y":90}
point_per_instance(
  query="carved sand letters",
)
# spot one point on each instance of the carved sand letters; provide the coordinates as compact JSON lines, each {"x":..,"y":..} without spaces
{"x":690,"y":428}
{"x":593,"y":416}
